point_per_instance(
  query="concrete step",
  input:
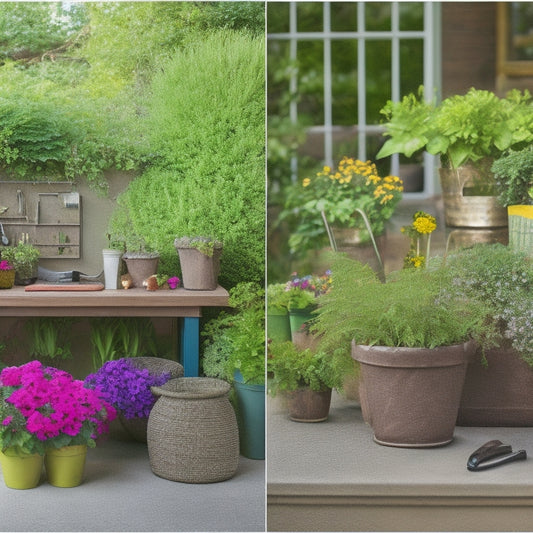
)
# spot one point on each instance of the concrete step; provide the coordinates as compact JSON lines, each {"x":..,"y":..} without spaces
{"x":331,"y":476}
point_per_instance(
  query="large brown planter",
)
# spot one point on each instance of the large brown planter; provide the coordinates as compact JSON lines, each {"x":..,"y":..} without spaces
{"x":306,"y":405}
{"x":499,"y":394}
{"x":412,"y":395}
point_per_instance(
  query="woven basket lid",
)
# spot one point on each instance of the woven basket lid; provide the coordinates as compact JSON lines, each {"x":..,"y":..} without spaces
{"x":193,"y":388}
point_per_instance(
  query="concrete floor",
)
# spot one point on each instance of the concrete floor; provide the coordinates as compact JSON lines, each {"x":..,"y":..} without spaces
{"x":120,"y":493}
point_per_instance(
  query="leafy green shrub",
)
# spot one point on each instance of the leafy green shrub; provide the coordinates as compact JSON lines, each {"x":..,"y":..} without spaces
{"x":207,"y":129}
{"x":503,"y":280}
{"x":235,"y":339}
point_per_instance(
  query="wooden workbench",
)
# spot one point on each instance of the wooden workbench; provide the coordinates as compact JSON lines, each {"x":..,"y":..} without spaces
{"x":180,"y":303}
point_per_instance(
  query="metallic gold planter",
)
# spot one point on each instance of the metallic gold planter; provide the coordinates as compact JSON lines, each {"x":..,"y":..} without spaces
{"x":469,"y":198}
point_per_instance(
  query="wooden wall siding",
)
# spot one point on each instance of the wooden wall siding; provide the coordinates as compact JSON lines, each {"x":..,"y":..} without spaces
{"x":468,"y":46}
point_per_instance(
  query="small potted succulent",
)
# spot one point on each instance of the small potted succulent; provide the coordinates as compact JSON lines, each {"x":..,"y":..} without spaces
{"x":141,"y":259}
{"x":7,"y":274}
{"x":200,"y":262}
{"x":25,"y":259}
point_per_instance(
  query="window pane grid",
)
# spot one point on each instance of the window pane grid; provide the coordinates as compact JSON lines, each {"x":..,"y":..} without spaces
{"x":390,"y":22}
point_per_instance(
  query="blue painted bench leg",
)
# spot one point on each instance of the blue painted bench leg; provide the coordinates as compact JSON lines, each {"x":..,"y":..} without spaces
{"x":190,"y":346}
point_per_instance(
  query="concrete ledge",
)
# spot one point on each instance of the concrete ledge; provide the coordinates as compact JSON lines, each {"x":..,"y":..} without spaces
{"x":332,"y":477}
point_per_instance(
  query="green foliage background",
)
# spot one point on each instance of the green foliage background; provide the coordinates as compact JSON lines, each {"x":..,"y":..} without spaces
{"x":171,"y":90}
{"x":206,"y":127}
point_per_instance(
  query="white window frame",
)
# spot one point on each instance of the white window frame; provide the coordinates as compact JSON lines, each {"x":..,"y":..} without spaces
{"x":431,"y":38}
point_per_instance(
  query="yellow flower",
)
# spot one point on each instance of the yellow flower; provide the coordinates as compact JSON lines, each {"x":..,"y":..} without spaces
{"x":327,"y":170}
{"x":306,"y":182}
{"x":425,"y":224}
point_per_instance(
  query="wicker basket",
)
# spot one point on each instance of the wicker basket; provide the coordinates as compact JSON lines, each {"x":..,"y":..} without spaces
{"x":192,"y":431}
{"x":7,"y":279}
{"x":137,"y":427}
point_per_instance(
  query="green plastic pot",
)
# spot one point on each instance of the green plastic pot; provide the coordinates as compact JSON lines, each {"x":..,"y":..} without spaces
{"x":298,"y":317}
{"x":278,"y":326}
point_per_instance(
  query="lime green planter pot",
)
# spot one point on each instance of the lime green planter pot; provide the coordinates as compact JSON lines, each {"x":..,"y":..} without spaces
{"x":278,"y":326}
{"x":65,"y":466}
{"x":521,"y":228}
{"x":21,"y":471}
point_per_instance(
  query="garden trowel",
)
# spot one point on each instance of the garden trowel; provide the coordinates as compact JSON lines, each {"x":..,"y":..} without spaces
{"x":66,"y":277}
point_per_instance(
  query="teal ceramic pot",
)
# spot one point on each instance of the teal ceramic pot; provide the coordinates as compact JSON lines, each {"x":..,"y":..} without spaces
{"x":250,"y":417}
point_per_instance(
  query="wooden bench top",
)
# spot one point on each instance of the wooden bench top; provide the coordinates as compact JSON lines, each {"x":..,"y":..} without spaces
{"x":120,"y":302}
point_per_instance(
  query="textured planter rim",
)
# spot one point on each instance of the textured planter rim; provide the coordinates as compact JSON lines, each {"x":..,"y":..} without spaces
{"x":405,"y":392}
{"x":193,"y":388}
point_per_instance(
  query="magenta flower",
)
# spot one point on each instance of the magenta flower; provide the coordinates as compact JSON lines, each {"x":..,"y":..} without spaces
{"x":46,"y":403}
{"x":5,"y":265}
{"x":173,"y":282}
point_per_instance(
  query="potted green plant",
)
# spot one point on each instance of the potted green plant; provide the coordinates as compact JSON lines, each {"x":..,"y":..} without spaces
{"x":235,"y":351}
{"x":141,"y":259}
{"x":302,"y":294}
{"x":412,"y":345}
{"x":278,"y":324}
{"x":514,"y":178}
{"x":339,"y":193}
{"x":200,"y":261}
{"x":306,"y":377}
{"x":497,"y":390}
{"x":468,"y":132}
{"x":25,"y":258}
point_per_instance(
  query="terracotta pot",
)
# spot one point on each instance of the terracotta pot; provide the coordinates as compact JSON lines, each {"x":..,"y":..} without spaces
{"x":412,"y":395}
{"x":499,"y":394}
{"x":306,"y":405}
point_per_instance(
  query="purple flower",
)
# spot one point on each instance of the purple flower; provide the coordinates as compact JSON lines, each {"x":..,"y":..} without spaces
{"x":127,"y":387}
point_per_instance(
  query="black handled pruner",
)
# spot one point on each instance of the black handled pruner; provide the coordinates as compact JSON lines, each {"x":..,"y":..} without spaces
{"x":493,"y":453}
